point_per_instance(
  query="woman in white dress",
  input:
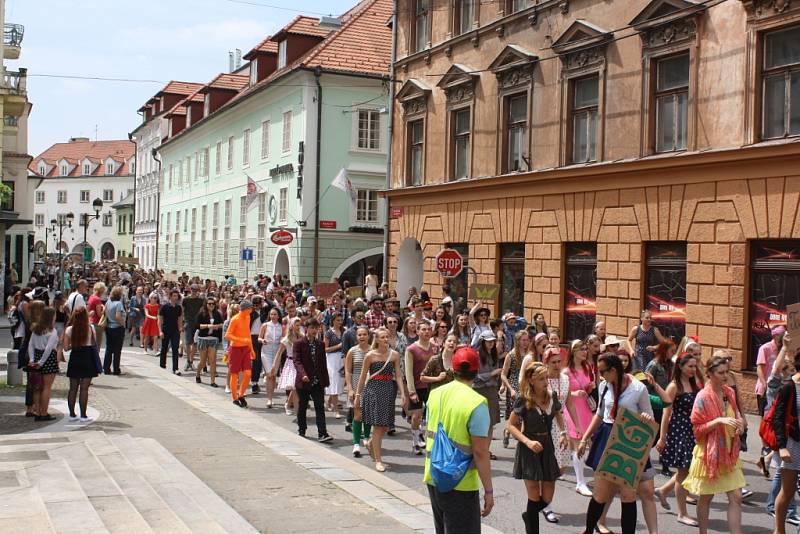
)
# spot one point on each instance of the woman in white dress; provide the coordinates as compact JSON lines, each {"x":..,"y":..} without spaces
{"x":288,"y":373}
{"x":333,"y":349}
{"x":370,"y":283}
{"x":270,"y":338}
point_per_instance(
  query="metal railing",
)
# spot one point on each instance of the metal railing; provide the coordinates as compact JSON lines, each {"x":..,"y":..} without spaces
{"x":12,"y":34}
{"x":10,"y":120}
{"x":16,"y":81}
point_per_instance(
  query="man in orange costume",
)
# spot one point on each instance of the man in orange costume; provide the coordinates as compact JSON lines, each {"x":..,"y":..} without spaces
{"x":240,"y":353}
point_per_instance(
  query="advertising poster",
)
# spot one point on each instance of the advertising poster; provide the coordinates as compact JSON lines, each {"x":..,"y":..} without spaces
{"x":775,"y":284}
{"x":580,"y":308}
{"x":627,"y":450}
{"x":665,"y":292}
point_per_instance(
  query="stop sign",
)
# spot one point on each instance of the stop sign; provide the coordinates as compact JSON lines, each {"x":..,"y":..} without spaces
{"x":449,"y":262}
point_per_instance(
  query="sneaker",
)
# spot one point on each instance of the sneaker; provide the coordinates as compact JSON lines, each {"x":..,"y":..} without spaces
{"x":197,"y":379}
{"x":86,"y":419}
{"x":793,"y":519}
{"x":324,"y":438}
{"x":73,"y":418}
{"x":176,"y":372}
{"x":236,"y":402}
{"x":255,"y":389}
{"x":301,"y":433}
{"x":227,"y":389}
{"x":242,"y":402}
{"x":348,"y":427}
{"x":746,"y":494}
{"x":357,"y":450}
{"x":288,"y":411}
{"x":213,"y":385}
{"x":584,"y":490}
{"x":418,"y":451}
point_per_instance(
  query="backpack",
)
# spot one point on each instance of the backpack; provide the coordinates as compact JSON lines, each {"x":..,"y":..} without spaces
{"x":767,"y":431}
{"x":448,"y":464}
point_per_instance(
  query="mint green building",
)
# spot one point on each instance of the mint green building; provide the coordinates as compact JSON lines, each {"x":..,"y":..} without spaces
{"x":310,"y":102}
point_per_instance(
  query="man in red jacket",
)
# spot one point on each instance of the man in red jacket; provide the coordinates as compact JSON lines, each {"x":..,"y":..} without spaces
{"x":312,"y":379}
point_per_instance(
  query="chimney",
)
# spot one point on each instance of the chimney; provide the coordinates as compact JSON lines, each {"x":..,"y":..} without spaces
{"x":238,"y":58}
{"x":333,"y":23}
{"x":230,"y":61}
{"x":78,"y":139}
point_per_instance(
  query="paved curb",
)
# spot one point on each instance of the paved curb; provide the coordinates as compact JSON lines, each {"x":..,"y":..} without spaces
{"x":382,"y":493}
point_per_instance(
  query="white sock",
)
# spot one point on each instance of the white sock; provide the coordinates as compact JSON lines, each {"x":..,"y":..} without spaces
{"x":414,"y":437}
{"x":577,"y":464}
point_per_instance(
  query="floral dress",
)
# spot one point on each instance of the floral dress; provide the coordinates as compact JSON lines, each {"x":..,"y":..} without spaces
{"x":560,"y":388}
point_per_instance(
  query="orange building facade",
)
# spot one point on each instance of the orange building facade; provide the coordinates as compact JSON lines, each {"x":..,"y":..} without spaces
{"x":597,"y":159}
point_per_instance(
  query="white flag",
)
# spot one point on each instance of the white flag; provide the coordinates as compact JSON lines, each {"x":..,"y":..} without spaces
{"x":343,"y":182}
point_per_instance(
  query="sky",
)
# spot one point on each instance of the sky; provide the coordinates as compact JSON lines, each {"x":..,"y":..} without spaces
{"x":161,"y":40}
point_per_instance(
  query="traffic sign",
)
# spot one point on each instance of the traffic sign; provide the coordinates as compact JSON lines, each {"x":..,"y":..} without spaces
{"x":281,"y":237}
{"x":247,"y":254}
{"x":449,"y":263}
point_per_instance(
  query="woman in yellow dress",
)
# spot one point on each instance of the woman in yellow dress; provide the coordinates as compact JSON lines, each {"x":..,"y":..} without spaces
{"x":716,"y":467}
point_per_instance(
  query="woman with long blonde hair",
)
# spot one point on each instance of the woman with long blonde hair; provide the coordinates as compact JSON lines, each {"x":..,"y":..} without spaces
{"x":288,"y":372}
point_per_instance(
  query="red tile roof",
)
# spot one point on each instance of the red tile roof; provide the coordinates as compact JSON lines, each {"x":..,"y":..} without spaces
{"x":174,"y":88}
{"x":75,"y":152}
{"x":303,"y":25}
{"x":231,"y":82}
{"x":267,"y":46}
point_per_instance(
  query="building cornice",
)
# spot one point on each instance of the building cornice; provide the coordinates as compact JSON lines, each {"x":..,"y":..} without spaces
{"x":761,"y":160}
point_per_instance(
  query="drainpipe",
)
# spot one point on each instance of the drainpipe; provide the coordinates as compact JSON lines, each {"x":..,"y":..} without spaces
{"x":154,"y":152}
{"x":317,"y":76}
{"x":132,"y":138}
{"x":389,"y":149}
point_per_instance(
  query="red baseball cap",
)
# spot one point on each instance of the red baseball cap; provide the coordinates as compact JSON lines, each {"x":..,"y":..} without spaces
{"x":466,"y":360}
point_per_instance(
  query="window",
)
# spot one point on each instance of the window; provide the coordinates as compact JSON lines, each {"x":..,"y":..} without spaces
{"x":42,"y":169}
{"x":205,"y":162}
{"x":262,"y":207}
{"x":206,"y":105}
{"x":61,"y":197}
{"x":253,"y":71}
{"x":230,"y":153}
{"x":261,"y":252}
{"x":188,"y":169}
{"x":62,"y":219}
{"x":64,"y":170}
{"x":214,"y":238}
{"x":781,"y":79}
{"x":584,"y":119}
{"x":108,"y":195}
{"x":180,"y":174}
{"x":185,"y":219}
{"x":175,"y":253}
{"x":366,"y":206}
{"x":283,"y":200}
{"x":672,"y":102}
{"x":512,"y":278}
{"x":420,"y":26}
{"x":203,"y":217}
{"x":665,"y":287}
{"x":464,"y":16}
{"x":130,"y":223}
{"x":774,"y":284}
{"x":416,"y":151}
{"x":242,"y":243}
{"x":460,"y":143}
{"x":369,"y":129}
{"x":110,"y":168}
{"x":516,"y":5}
{"x":218,"y":158}
{"x":169,"y":174}
{"x":197,"y":167}
{"x":458,"y":284}
{"x":282,"y":54}
{"x":580,"y":290}
{"x":243,"y":210}
{"x":177,"y":221}
{"x":246,"y":148}
{"x":265,"y":140}
{"x":40,"y":219}
{"x":108,"y":219}
{"x":40,"y":197}
{"x":287,"y":131}
{"x":120,"y":224}
{"x":226,"y":247}
{"x":227,"y":212}
{"x":85,"y":195}
{"x":516,"y":130}
{"x":87,"y":169}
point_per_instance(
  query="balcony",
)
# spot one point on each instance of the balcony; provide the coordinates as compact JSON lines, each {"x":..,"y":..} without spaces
{"x":14,"y":91}
{"x":12,"y":40}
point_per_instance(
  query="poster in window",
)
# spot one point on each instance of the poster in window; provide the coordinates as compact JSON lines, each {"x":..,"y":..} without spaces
{"x":512,"y":278}
{"x":775,"y":284}
{"x":458,"y":284}
{"x":665,"y":294}
{"x":580,"y":307}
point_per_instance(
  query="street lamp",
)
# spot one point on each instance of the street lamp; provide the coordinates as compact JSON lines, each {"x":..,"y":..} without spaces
{"x":60,"y":223}
{"x":97,"y":205}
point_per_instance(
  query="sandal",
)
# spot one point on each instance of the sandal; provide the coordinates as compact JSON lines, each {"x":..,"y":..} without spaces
{"x":691,"y":500}
{"x":492,"y":456}
{"x":550,"y":516}
{"x":662,"y":499}
{"x":379,"y":467}
{"x":368,"y":445}
{"x":688,"y":521}
{"x":598,"y":528}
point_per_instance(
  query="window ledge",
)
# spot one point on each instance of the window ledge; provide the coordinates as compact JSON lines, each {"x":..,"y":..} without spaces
{"x":367,"y":151}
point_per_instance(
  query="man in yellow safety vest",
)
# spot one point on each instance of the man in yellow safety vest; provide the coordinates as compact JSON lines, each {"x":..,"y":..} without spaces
{"x":464,"y":415}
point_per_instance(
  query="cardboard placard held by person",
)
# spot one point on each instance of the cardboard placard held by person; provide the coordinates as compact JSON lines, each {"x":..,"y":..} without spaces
{"x":793,"y":326}
{"x":355,"y":292}
{"x":325,"y":290}
{"x":627,"y":449}
{"x":484,"y":292}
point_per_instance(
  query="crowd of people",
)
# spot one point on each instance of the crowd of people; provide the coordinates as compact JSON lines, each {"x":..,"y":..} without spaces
{"x":450,"y":369}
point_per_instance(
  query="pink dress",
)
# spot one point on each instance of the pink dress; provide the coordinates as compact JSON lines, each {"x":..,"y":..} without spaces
{"x":578,"y":379}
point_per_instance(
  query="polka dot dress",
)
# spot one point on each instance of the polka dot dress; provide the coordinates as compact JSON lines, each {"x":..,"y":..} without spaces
{"x":680,"y":438}
{"x":560,"y":388}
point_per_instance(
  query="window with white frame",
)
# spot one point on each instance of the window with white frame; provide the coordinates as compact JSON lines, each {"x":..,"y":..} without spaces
{"x":180,"y":174}
{"x":205,"y":162}
{"x":243,"y":210}
{"x":226,"y":247}
{"x":62,"y":219}
{"x":246,"y":148}
{"x":282,"y":54}
{"x":215,"y":215}
{"x":42,"y":169}
{"x":185,"y":219}
{"x":227,"y":212}
{"x":61,"y":197}
{"x":254,"y":71}
{"x":197,"y":166}
{"x":262,"y":207}
{"x":366,"y":206}
{"x":265,"y":140}
{"x":85,"y":195}
{"x":214,"y":238}
{"x":369,"y":129}
{"x":218,"y":159}
{"x":40,"y":219}
{"x":194,"y":219}
{"x":283,"y":201}
{"x":87,"y":169}
{"x":108,"y":195}
{"x":110,"y":168}
{"x":108,"y":219}
{"x":64,"y":170}
{"x":170,"y":175}
{"x":261,"y":252}
{"x":177,"y":221}
{"x":40,"y":197}
{"x":230,"y":152}
{"x":203,"y":217}
{"x":287,"y":131}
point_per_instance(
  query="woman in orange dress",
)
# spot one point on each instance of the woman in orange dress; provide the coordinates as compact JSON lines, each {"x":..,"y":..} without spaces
{"x":150,"y":327}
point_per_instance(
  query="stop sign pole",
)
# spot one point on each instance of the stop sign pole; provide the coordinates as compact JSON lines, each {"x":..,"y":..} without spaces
{"x":449,"y":263}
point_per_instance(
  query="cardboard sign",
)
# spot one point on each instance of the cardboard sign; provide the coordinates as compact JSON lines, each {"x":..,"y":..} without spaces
{"x":484,"y":292}
{"x":793,"y":326}
{"x":355,"y":292}
{"x":171,"y":277}
{"x":627,"y":450}
{"x":325,"y":290}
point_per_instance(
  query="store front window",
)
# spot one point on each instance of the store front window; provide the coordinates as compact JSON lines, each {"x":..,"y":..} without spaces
{"x":580,"y":291}
{"x":665,"y":292}
{"x":512,"y":278}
